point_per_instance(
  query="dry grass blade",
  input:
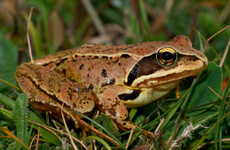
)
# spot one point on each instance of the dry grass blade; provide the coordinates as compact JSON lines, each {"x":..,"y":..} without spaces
{"x":159,"y":125}
{"x":96,"y":20}
{"x":37,"y":142}
{"x":28,"y":35}
{"x":192,"y":26}
{"x":50,"y":129}
{"x":129,"y":139}
{"x":67,"y":129}
{"x":32,"y":141}
{"x":205,"y":47}
{"x":11,"y":135}
{"x":218,"y":95}
{"x":185,"y":134}
{"x":225,"y":54}
{"x":46,"y":127}
{"x":211,"y":142}
{"x":215,"y":92}
{"x":9,"y":84}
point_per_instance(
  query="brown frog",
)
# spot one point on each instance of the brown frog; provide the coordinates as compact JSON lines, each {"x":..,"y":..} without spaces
{"x":113,"y":78}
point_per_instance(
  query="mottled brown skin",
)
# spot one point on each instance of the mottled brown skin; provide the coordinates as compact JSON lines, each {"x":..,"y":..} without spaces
{"x":97,"y":74}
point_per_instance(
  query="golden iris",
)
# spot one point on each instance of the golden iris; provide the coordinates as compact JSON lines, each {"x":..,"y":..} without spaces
{"x":166,"y":56}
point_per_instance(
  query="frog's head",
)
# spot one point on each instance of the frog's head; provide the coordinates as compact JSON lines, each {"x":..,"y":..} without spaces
{"x":169,"y":62}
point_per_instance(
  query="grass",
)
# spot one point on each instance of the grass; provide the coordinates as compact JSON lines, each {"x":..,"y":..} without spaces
{"x":198,"y":120}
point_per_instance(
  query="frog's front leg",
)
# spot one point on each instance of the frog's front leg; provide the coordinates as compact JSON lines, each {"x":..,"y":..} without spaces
{"x":109,"y":103}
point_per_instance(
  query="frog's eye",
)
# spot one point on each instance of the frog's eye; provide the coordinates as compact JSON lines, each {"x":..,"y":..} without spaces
{"x":166,"y":57}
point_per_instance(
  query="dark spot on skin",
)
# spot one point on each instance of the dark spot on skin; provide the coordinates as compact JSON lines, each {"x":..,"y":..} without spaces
{"x":74,"y":105}
{"x":111,"y":57}
{"x":115,"y":61}
{"x":90,"y":87}
{"x":111,"y":82}
{"x":76,"y":56}
{"x":83,"y":56}
{"x":130,"y":96}
{"x":64,"y":72}
{"x":119,"y":64}
{"x":181,"y":45}
{"x":74,"y":60}
{"x":105,"y":57}
{"x":81,"y":66}
{"x":96,"y":57}
{"x":61,"y":61}
{"x":70,"y":95}
{"x":104,"y":73}
{"x":125,"y":56}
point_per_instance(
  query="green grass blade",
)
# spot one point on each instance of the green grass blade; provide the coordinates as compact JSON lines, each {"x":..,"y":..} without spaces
{"x":198,"y":143}
{"x":99,"y":140}
{"x":31,"y":116}
{"x":7,"y":101}
{"x":226,"y":93}
{"x":145,"y":20}
{"x":6,"y":113}
{"x":225,"y":67}
{"x":218,"y":131}
{"x":201,"y":45}
{"x":20,"y":116}
{"x":27,"y":138}
{"x":108,"y":133}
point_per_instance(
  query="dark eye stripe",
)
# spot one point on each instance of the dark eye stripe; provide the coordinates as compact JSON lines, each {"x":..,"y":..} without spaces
{"x":145,"y":66}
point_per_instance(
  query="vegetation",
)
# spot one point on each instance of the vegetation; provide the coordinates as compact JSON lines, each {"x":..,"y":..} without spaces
{"x":198,"y":120}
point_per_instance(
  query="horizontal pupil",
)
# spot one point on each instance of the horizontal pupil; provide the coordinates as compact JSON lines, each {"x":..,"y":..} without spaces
{"x":166,"y":56}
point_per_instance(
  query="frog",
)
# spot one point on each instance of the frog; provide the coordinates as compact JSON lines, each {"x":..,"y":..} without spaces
{"x":110,"y":78}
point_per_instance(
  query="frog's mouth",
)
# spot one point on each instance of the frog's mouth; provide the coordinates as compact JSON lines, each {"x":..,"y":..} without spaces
{"x":175,"y":77}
